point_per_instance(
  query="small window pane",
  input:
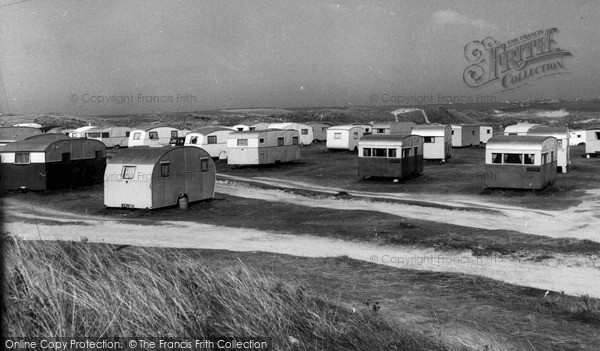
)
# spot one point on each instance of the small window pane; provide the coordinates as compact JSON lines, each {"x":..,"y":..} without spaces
{"x":305,"y":131}
{"x":380,"y":152}
{"x":496,"y":158}
{"x":355,"y":135}
{"x":204,"y":164}
{"x":529,"y":159}
{"x":127,"y":134}
{"x":429,"y":139}
{"x":513,"y":158}
{"x":98,"y":154}
{"x":367,"y":152}
{"x":173,"y":134}
{"x":22,"y":158}
{"x":337,"y":135}
{"x":262,"y":140}
{"x":391,"y":152}
{"x":280,"y":141}
{"x":597,"y":135}
{"x":405,"y":153}
{"x":165,"y":169}
{"x":212,"y":139}
{"x":105,"y":135}
{"x":380,"y":130}
{"x":242,"y":142}
{"x":153,"y":135}
{"x":193,"y":140}
{"x":137,"y":136}
{"x":128,"y":172}
{"x":295,"y":141}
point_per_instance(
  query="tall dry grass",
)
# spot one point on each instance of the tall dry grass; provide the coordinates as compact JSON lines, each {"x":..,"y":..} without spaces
{"x":67,"y":289}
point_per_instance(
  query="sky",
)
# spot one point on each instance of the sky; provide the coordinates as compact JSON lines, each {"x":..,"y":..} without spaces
{"x":140,"y":56}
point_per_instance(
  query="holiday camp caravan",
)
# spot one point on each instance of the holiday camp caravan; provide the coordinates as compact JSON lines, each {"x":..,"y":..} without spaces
{"x":305,"y":131}
{"x":390,"y":156}
{"x":344,"y":137}
{"x":518,"y":129}
{"x":80,"y":132}
{"x":259,"y":147}
{"x":437,"y":140}
{"x":465,"y":135}
{"x":51,"y":161}
{"x":592,"y":141}
{"x":521,"y":162}
{"x":157,"y":177}
{"x":396,"y":127}
{"x":485,"y":133}
{"x":319,"y":130}
{"x":563,"y":160}
{"x":111,"y":136}
{"x":576,"y":137}
{"x":155,"y":136}
{"x":212,"y":139}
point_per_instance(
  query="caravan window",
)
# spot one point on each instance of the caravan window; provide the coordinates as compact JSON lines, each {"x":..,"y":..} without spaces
{"x":128,"y":172}
{"x":391,"y":152}
{"x":597,"y":135}
{"x":22,"y":158}
{"x":496,"y":158}
{"x":429,"y":139}
{"x":193,"y":140}
{"x":165,"y":169}
{"x":173,"y":134}
{"x":552,"y":156}
{"x":544,"y":158}
{"x":136,"y":136}
{"x":473,"y":132}
{"x":355,"y":135}
{"x":488,"y":131}
{"x":98,"y":154}
{"x":415,"y":150}
{"x":280,"y":141}
{"x":337,"y":135}
{"x":127,"y":134}
{"x":513,"y":158}
{"x":304,"y":131}
{"x":242,"y":142}
{"x":204,"y":164}
{"x":379,"y":152}
{"x":261,"y":140}
{"x":153,"y":135}
{"x":367,"y":152}
{"x":212,"y":139}
{"x":405,"y":153}
{"x":323,"y":129}
{"x":380,"y":130}
{"x":529,"y":159}
{"x":559,"y":144}
{"x":92,"y":135}
{"x":295,"y":141}
{"x":105,"y":135}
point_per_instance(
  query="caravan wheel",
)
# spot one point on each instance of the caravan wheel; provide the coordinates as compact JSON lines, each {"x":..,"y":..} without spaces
{"x":117,"y":146}
{"x":223,"y":155}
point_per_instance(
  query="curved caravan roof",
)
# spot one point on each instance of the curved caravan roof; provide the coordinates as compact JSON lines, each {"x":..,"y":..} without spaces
{"x":431,"y":129}
{"x":557,"y":132}
{"x":43,"y":142}
{"x":345,"y":127}
{"x":17,"y":133}
{"x":49,"y":136}
{"x":208,"y":130}
{"x":519,"y":128}
{"x":148,"y":156}
{"x":147,"y":128}
{"x":258,"y":133}
{"x":387,"y":139}
{"x":521,"y":143}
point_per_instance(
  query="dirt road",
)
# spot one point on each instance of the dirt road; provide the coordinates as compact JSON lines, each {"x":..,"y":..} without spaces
{"x":581,"y":222}
{"x":31,"y":222}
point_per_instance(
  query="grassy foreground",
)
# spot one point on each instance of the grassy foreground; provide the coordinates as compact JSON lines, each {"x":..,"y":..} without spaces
{"x":66,"y":289}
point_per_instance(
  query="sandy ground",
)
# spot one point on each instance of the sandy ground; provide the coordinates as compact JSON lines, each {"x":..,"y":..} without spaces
{"x":576,"y":277}
{"x":581,"y":222}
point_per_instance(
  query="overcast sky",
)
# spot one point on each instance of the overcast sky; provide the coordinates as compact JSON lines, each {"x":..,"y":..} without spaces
{"x":227,"y":54}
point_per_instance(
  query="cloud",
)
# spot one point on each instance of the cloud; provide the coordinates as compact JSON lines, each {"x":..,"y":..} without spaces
{"x":449,"y":17}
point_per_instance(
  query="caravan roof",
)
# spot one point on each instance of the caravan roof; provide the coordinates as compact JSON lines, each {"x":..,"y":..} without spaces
{"x":345,"y":127}
{"x":40,"y":143}
{"x":542,"y":130}
{"x":430,"y":129}
{"x":210,"y":129}
{"x":517,"y":142}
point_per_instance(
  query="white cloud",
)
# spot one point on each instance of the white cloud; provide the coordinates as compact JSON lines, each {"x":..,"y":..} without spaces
{"x":449,"y":17}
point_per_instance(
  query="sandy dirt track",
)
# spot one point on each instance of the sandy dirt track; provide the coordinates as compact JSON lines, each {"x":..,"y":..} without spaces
{"x":34,"y":223}
{"x":581,"y":222}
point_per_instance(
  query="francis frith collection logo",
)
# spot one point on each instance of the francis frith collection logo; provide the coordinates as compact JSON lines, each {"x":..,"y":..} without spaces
{"x":516,"y":62}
